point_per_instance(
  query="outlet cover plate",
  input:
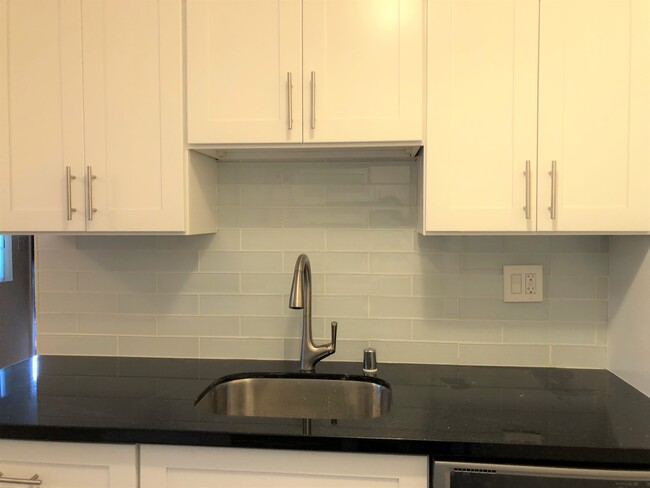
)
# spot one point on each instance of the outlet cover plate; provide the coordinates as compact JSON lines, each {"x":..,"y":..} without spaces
{"x":523,"y":283}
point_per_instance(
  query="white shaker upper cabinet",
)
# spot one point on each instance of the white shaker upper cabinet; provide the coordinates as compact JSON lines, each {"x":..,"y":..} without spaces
{"x":41,"y":116}
{"x":480,"y":151}
{"x":133,"y":108}
{"x":594,"y":116}
{"x":589,"y":110}
{"x":293,"y":71}
{"x":362,"y":77}
{"x":91,"y":134}
{"x":244,"y":71}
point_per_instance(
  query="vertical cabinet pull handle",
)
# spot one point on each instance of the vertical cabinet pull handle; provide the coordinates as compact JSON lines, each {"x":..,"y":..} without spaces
{"x":290,"y":99}
{"x":33,"y":481}
{"x":68,"y":191}
{"x":553,"y":173}
{"x":89,"y":192}
{"x":313,"y":100}
{"x":527,"y":174}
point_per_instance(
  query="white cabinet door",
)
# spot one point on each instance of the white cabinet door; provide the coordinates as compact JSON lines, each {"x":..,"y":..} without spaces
{"x":366,"y":57}
{"x":481,"y":115}
{"x":593,"y":118}
{"x":362,"y":76}
{"x":94,"y":85}
{"x":133,"y":106}
{"x":68,"y":465}
{"x":41,"y":115}
{"x":204,"y":467}
{"x":594,"y":115}
{"x":240,"y":55}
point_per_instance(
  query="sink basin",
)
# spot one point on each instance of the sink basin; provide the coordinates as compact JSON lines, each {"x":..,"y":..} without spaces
{"x":297,"y":395}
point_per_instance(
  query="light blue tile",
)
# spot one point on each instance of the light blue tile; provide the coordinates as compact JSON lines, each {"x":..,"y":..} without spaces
{"x":580,"y":264}
{"x":579,"y":244}
{"x":394,"y":218}
{"x":325,"y":174}
{"x":370,"y":240}
{"x":393,"y":174}
{"x":282,"y":195}
{"x":579,"y":310}
{"x":325,"y":218}
{"x":495,"y":309}
{"x":249,"y":217}
{"x":413,"y":263}
{"x":458,"y":331}
{"x":571,"y":287}
{"x":413,"y":307}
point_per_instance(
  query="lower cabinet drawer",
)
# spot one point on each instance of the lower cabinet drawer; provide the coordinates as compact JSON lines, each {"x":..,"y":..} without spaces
{"x":67,"y":465}
{"x":203,"y":467}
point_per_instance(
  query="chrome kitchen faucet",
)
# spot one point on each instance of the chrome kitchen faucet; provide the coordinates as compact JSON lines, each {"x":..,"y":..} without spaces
{"x":300,"y":297}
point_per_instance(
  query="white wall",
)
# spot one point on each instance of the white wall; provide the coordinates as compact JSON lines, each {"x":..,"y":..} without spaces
{"x":416,"y":299}
{"x":629,"y":312}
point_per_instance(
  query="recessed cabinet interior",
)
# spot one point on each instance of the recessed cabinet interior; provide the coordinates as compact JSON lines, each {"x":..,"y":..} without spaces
{"x":180,"y":467}
{"x":314,"y":71}
{"x":91,"y":138}
{"x":538,"y":116}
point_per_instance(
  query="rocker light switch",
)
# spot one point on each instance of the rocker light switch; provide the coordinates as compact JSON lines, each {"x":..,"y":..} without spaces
{"x":515,"y":284}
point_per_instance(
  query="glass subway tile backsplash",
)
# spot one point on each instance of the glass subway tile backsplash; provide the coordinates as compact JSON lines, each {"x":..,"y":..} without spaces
{"x":415,"y":299}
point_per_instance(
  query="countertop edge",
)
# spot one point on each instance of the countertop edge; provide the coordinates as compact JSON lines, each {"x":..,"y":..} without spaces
{"x":529,"y":454}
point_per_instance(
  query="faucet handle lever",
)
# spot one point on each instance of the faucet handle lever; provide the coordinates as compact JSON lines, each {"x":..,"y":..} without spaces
{"x":334,"y":327}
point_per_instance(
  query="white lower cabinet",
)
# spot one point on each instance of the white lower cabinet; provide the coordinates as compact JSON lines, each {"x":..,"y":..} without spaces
{"x":79,"y":465}
{"x":203,"y":467}
{"x":67,"y":465}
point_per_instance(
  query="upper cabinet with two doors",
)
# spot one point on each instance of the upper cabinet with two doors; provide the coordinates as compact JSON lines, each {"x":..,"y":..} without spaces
{"x":312,"y":71}
{"x":92,"y":120}
{"x":538,"y":116}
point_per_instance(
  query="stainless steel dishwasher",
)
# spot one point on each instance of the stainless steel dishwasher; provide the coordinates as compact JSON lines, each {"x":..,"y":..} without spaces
{"x":475,"y":475}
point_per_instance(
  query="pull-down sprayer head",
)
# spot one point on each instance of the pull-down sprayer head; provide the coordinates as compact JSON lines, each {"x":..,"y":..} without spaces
{"x":301,"y":283}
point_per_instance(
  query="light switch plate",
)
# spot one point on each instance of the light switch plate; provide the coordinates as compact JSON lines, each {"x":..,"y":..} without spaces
{"x":523,"y":283}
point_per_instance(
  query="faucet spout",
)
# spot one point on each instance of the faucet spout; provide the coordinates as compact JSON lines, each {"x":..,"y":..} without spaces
{"x":300,"y":298}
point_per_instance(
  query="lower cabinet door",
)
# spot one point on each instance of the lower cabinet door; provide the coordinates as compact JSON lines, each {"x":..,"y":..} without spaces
{"x":67,"y":465}
{"x":203,"y":467}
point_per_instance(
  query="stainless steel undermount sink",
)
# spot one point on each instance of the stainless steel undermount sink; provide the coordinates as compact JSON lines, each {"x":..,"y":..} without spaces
{"x":297,"y":395}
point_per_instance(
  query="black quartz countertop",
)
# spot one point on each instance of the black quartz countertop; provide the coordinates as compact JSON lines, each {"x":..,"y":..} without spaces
{"x":496,"y":414}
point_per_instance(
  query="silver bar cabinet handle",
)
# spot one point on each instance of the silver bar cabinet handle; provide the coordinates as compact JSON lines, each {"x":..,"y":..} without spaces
{"x":33,"y":481}
{"x":527,"y":174}
{"x":313,"y":100}
{"x":290,"y":100}
{"x":553,"y":173}
{"x":89,"y":192}
{"x":68,"y":190}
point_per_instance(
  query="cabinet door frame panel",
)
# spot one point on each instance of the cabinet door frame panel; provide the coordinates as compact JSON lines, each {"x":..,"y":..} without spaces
{"x":43,"y":187}
{"x":629,"y":165}
{"x":67,"y":465}
{"x":206,"y":127}
{"x":160,"y":464}
{"x":407,"y":122}
{"x":448,"y":210}
{"x":163,"y":187}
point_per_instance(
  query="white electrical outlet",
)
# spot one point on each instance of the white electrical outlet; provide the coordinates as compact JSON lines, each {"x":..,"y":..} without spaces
{"x":523,"y":283}
{"x":530,"y":283}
